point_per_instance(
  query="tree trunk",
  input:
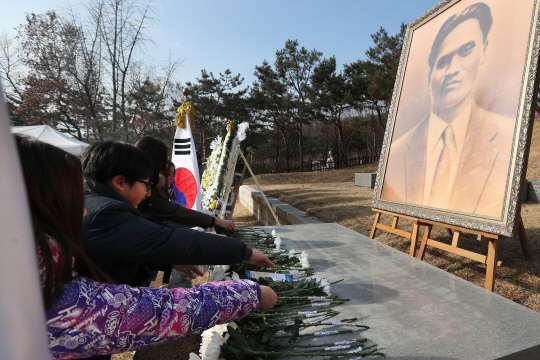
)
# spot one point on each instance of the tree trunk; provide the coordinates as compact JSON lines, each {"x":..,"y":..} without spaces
{"x":343,"y":154}
{"x":374,"y":142}
{"x":114,"y":70}
{"x":301,"y":146}
{"x":287,"y":159}
{"x":337,"y":153}
{"x":123,"y":106}
{"x":203,"y":141}
{"x":277,"y":149}
{"x":379,"y":117}
{"x":286,"y":143}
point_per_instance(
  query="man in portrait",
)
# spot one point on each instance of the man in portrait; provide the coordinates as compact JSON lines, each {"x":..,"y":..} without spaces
{"x":457,"y":157}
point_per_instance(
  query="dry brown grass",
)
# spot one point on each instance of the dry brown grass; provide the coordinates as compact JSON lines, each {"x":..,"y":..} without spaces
{"x":533,"y":168}
{"x":331,"y":197}
{"x":242,"y":217}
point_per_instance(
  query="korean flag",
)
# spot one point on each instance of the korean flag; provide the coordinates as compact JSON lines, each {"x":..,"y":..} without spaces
{"x":186,"y":184}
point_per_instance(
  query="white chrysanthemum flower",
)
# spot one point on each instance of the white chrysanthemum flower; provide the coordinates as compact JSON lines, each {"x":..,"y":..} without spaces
{"x":213,"y":349}
{"x":218,"y":273}
{"x":242,"y":130}
{"x":326,"y":289}
{"x":207,"y":336}
{"x":222,"y":329}
{"x":212,"y":340}
{"x":227,"y":278}
{"x":215,"y":143}
{"x":235,"y":276}
{"x":292,"y":253}
{"x":322,"y":282}
{"x":193,"y":356}
{"x":274,"y":232}
{"x":304,"y":259}
{"x":278,"y":241}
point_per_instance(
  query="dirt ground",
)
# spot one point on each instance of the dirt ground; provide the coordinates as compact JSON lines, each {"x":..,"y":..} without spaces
{"x":243,"y":218}
{"x":331,"y":197}
{"x":533,"y":168}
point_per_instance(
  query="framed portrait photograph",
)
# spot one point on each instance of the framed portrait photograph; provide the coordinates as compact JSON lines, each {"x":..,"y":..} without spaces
{"x":458,"y":130}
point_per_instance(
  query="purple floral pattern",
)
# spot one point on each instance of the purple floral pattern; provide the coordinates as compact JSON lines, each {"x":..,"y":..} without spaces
{"x":90,"y":318}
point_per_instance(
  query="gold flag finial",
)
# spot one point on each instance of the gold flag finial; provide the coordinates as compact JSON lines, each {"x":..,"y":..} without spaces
{"x":185,"y":108}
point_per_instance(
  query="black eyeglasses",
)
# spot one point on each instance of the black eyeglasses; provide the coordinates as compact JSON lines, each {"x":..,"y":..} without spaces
{"x":148,"y":184}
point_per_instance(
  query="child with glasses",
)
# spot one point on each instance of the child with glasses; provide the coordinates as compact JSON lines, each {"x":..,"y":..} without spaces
{"x":126,"y":246}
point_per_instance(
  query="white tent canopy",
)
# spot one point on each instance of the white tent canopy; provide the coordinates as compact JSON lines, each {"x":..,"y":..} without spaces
{"x":52,"y":136}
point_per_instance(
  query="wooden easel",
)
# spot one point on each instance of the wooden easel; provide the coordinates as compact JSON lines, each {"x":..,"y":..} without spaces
{"x":493,"y":241}
{"x":238,"y":181}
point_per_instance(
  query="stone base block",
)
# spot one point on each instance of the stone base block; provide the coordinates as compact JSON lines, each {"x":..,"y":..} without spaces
{"x":365,"y":180}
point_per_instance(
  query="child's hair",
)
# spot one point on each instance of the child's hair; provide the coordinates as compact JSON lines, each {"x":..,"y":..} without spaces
{"x":54,"y":184}
{"x":158,"y":152}
{"x":171,"y":164}
{"x":103,"y":161}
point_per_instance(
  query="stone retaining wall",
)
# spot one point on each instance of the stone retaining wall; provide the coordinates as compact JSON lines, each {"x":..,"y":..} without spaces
{"x":286,"y":214}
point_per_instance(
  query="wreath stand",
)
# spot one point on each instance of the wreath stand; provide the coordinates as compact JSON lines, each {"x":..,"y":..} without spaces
{"x":229,"y":178}
{"x":455,"y":231}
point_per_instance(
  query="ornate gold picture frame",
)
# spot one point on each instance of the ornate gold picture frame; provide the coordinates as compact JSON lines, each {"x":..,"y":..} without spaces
{"x":458,"y":130}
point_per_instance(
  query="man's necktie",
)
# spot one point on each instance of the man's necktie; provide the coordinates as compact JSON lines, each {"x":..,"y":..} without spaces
{"x":439,"y":187}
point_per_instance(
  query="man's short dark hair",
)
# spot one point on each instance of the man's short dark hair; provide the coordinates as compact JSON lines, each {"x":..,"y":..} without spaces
{"x":479,"y":11}
{"x":103,"y":161}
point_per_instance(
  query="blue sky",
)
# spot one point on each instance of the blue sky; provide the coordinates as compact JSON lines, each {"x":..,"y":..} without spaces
{"x":240,"y":34}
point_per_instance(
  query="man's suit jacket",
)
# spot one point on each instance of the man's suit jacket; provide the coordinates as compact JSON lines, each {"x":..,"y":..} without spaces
{"x":483,"y":166}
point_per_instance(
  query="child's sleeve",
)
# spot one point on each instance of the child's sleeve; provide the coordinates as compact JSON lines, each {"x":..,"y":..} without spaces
{"x":90,"y":318}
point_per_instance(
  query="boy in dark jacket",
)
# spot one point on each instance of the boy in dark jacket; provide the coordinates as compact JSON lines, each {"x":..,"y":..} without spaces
{"x":129,"y":248}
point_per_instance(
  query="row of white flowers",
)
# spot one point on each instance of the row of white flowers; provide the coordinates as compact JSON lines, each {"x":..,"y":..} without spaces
{"x":214,"y":338}
{"x":218,"y":165}
{"x":209,"y":183}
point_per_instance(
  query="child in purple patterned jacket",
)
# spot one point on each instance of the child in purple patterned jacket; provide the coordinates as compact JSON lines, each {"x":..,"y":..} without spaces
{"x":85,"y":315}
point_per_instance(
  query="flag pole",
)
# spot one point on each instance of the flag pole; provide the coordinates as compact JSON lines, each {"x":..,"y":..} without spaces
{"x":260,"y":189}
